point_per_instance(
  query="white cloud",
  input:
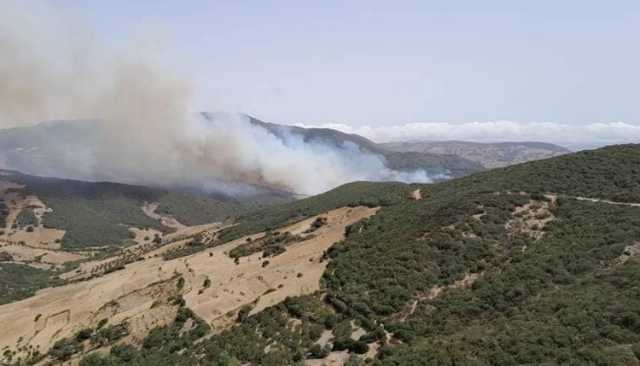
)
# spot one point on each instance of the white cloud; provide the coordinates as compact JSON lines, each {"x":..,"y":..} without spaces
{"x":572,"y":136}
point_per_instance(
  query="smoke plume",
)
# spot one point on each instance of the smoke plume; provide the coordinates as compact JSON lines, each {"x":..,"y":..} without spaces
{"x":144,"y":129}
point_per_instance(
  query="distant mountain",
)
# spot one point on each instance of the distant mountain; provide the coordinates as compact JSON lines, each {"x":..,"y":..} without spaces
{"x":45,"y":148}
{"x":435,"y":163}
{"x":63,"y":149}
{"x":490,"y":155}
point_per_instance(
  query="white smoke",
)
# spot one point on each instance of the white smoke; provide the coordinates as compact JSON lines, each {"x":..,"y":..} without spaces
{"x":147,"y":132}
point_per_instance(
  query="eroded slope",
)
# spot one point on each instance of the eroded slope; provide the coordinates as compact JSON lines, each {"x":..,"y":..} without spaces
{"x":139,"y":295}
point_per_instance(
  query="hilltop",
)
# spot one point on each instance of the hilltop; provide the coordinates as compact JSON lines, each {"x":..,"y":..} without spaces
{"x":503,"y":267}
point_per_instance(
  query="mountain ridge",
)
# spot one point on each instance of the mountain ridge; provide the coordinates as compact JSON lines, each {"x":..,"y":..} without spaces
{"x":63,"y":149}
{"x":489,"y":155}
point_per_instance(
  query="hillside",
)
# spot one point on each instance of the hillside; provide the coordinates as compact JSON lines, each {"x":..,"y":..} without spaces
{"x":95,"y":214}
{"x":49,"y":226}
{"x":536,"y":263}
{"x":490,"y":155}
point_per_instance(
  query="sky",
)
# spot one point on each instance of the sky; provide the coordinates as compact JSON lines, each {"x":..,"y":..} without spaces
{"x":560,"y":71}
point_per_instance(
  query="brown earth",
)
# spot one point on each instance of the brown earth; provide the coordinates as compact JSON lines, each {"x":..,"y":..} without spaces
{"x":28,"y":255}
{"x":127,"y":295}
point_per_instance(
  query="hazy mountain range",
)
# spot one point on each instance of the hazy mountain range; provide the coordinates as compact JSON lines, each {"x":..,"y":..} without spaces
{"x":67,"y":149}
{"x":490,"y":155}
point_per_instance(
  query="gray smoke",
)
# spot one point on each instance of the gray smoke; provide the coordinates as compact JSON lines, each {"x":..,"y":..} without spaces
{"x":147,"y":132}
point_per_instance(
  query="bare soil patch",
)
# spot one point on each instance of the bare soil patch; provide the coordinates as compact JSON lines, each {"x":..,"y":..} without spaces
{"x":631,"y":251}
{"x":26,"y":254}
{"x":128,"y":294}
{"x":531,"y":219}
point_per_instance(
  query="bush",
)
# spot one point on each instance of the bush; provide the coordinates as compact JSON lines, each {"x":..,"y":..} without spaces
{"x":123,"y":352}
{"x":5,"y":257}
{"x":27,"y":218}
{"x":317,"y":351}
{"x":109,"y":334}
{"x":83,"y":334}
{"x":96,"y":359}
{"x":18,"y":281}
{"x":330,"y":321}
{"x":243,"y":313}
{"x":64,"y":348}
{"x":359,"y":347}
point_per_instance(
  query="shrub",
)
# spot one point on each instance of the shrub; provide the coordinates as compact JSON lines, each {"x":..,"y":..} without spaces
{"x":317,"y":351}
{"x":243,"y":313}
{"x":83,"y":334}
{"x":96,"y":359}
{"x":124,"y":352}
{"x":64,"y":348}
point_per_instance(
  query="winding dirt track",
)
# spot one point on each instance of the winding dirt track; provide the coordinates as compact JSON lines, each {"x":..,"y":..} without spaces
{"x":149,"y":209}
{"x":599,"y":200}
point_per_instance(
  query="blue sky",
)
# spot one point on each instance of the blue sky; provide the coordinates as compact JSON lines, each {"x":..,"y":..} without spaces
{"x":362,"y":65}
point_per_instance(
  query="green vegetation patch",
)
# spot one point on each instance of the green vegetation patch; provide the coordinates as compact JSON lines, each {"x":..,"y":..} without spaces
{"x":100,"y":214}
{"x":167,"y":345}
{"x":192,"y":210}
{"x":407,"y":249}
{"x":27,"y":218}
{"x":93,"y":214}
{"x":4,"y":212}
{"x":192,"y":247}
{"x":285,"y":334}
{"x":272,"y":244}
{"x":565,"y":300}
{"x":19,"y":281}
{"x":608,"y":173}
